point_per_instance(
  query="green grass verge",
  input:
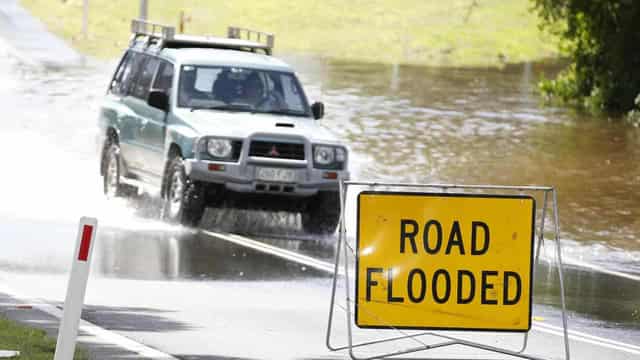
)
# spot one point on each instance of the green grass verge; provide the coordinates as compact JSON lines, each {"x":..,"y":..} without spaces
{"x":33,"y":344}
{"x":441,"y":33}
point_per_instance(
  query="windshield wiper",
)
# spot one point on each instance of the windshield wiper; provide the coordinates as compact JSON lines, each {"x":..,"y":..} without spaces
{"x":281,"y":112}
{"x":248,"y":108}
{"x":223,"y":107}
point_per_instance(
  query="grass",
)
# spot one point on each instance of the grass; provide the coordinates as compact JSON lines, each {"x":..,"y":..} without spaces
{"x":33,"y":344}
{"x":425,"y":32}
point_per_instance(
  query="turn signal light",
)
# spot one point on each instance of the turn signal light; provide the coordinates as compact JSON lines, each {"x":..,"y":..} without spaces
{"x":332,"y":175}
{"x":216,"y":167}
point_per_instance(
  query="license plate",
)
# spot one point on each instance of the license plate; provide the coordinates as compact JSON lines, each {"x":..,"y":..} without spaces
{"x":275,"y":174}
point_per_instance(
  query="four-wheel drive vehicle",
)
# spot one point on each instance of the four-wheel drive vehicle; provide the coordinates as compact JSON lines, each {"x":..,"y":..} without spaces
{"x":217,"y":122}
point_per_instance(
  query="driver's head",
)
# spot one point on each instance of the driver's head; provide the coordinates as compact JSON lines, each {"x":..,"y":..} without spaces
{"x":252,"y":86}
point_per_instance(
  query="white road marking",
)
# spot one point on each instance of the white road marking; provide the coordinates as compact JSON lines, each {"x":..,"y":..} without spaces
{"x":100,"y":334}
{"x":582,"y":264}
{"x":328,"y":267}
{"x":274,"y":250}
{"x":586,"y":338}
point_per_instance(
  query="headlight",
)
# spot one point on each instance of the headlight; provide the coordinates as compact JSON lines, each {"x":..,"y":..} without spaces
{"x":324,"y":155}
{"x":220,"y":148}
{"x":329,"y":157}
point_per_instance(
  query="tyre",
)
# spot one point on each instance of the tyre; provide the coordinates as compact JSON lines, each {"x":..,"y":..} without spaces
{"x":111,"y":178}
{"x":184,"y":199}
{"x":322,"y":213}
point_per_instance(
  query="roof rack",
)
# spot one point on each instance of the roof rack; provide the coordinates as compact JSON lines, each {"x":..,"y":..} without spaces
{"x":165,"y":36}
{"x":234,"y":32}
{"x":147,"y":28}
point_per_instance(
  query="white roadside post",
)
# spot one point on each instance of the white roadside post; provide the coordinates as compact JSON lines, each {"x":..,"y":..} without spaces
{"x":77,"y":286}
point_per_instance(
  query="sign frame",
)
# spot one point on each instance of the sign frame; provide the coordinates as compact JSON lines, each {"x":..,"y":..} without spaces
{"x":342,"y":269}
{"x":445,"y":195}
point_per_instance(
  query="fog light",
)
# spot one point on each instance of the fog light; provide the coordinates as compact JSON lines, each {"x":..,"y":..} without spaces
{"x":216,"y":167}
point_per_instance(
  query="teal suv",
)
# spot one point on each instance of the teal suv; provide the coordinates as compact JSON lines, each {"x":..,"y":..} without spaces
{"x":213,"y":122}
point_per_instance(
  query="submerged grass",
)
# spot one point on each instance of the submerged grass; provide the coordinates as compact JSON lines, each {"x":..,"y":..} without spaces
{"x":33,"y":344}
{"x":441,"y":33}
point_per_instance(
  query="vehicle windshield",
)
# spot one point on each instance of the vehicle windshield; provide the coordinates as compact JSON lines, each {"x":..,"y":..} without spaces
{"x":241,"y":89}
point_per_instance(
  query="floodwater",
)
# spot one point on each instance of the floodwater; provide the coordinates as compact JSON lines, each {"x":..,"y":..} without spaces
{"x":489,"y":126}
{"x":403,"y":124}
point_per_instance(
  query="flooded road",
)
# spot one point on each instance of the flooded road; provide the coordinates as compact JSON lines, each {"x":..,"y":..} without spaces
{"x":488,"y":127}
{"x":594,"y":297}
{"x":195,"y":292}
{"x":406,"y":124}
{"x":403,"y":124}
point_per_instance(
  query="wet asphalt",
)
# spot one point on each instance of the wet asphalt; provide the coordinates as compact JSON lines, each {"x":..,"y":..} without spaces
{"x":195,"y":294}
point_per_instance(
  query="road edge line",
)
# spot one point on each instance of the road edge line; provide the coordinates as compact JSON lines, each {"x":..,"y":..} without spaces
{"x":273,"y":250}
{"x":575,"y":333}
{"x":583,"y":264}
{"x":107,"y":336}
{"x":606,"y":343}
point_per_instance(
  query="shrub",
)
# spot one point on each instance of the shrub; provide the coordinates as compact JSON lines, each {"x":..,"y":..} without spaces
{"x":602,"y":40}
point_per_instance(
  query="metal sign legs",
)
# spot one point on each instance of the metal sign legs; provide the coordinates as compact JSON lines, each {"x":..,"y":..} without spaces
{"x":342,"y":269}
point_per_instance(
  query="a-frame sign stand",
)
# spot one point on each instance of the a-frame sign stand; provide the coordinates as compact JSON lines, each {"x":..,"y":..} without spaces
{"x":343,"y":269}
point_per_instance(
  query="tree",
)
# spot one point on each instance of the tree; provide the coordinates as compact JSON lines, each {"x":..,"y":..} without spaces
{"x":602,"y":40}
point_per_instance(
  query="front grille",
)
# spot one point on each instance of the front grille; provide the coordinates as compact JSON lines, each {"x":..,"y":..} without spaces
{"x":277,"y":150}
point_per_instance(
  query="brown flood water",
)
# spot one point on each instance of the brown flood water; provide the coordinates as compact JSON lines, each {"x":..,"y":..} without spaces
{"x":487,"y":126}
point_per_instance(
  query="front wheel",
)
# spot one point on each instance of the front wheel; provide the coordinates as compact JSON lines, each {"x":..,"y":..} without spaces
{"x":184,"y":198}
{"x":322,"y":213}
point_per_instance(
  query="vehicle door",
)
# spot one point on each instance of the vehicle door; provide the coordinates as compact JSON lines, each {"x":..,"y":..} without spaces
{"x":154,"y":126}
{"x":130,"y":144}
{"x":136,"y":102}
{"x":117,"y":110}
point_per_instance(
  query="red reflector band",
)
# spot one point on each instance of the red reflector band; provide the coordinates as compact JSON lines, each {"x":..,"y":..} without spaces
{"x":330,"y":175}
{"x":85,"y":243}
{"x":216,"y":167}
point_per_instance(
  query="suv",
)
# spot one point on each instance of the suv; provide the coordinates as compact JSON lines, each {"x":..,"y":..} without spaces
{"x":211,"y":122}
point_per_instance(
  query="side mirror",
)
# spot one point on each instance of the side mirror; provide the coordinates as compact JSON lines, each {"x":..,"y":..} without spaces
{"x":159,"y":100}
{"x":318,"y":110}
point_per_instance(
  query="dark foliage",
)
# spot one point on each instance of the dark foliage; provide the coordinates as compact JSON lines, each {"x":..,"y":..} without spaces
{"x":602,"y":40}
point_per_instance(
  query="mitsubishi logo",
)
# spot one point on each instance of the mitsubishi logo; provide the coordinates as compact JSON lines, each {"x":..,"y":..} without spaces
{"x":273,"y":152}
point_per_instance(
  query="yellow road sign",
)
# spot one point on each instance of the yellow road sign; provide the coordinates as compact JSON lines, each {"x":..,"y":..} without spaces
{"x":444,"y":261}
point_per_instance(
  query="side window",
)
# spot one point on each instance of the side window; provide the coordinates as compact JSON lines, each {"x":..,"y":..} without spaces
{"x":164,"y":79}
{"x":117,"y":78}
{"x":130,"y":73}
{"x":143,"y":83}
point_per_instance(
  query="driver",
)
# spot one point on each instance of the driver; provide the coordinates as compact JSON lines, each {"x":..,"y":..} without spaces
{"x":252,"y":90}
